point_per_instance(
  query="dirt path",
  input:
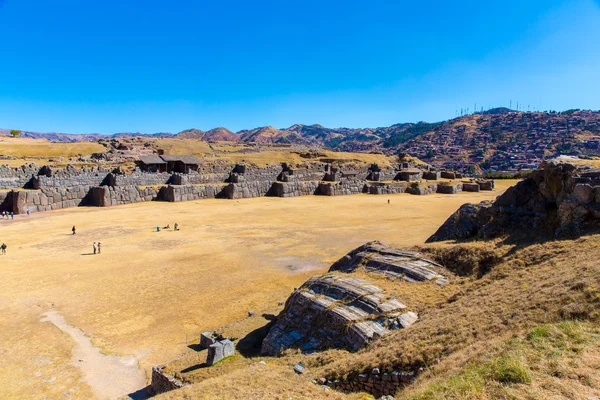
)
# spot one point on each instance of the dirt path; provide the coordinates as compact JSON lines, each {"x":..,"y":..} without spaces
{"x":110,"y":377}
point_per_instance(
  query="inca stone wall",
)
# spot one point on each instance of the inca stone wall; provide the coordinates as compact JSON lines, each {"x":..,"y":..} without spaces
{"x":293,"y":189}
{"x":11,"y":178}
{"x":376,"y":383}
{"x":385,"y":188}
{"x":173,"y":193}
{"x":162,"y":382}
{"x":341,"y":188}
{"x":96,"y":186}
{"x":247,"y":189}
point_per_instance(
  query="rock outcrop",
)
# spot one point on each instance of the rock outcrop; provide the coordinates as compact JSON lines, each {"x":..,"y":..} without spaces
{"x":333,"y":311}
{"x":558,"y":199}
{"x":394,"y":263}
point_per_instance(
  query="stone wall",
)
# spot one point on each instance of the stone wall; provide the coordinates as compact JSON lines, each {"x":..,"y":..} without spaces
{"x":71,"y":186}
{"x":293,"y":189}
{"x":104,"y":196}
{"x":312,"y":172}
{"x":423,"y":190}
{"x":340,"y":188}
{"x":139,"y":179}
{"x":385,"y":188}
{"x":376,"y":383}
{"x":67,"y":181}
{"x":173,"y":193}
{"x":44,"y":199}
{"x":162,"y":382}
{"x":24,"y":171}
{"x":471,"y":187}
{"x":246,"y":190}
{"x":449,"y":188}
{"x":255,"y":174}
{"x":12,"y":178}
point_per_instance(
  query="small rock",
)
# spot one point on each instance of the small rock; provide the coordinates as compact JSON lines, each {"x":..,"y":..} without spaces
{"x":251,"y":313}
{"x":375,"y":371}
{"x":299,"y":368}
{"x":323,"y":381}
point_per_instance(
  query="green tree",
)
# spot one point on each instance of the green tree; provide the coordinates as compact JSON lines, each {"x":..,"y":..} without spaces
{"x":15,"y":132}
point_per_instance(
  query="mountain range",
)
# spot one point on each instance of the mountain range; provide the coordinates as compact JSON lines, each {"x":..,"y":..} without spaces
{"x":391,"y":139}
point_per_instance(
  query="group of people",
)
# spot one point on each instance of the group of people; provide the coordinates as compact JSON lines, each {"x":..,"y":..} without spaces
{"x":7,"y":215}
{"x":175,"y":227}
{"x":97,"y":247}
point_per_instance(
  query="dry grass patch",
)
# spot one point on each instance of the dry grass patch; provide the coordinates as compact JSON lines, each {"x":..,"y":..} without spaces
{"x":550,"y":361}
{"x":45,"y":149}
{"x":183,"y":146}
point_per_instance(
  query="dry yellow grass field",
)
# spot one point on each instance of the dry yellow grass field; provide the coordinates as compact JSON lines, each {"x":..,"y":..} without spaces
{"x":148,"y":291}
{"x":18,"y":147}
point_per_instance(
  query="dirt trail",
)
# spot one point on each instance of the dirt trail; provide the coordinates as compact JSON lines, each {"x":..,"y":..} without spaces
{"x":110,"y":377}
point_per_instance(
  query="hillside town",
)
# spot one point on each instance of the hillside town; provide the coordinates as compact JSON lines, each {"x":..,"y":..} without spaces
{"x":507,"y":142}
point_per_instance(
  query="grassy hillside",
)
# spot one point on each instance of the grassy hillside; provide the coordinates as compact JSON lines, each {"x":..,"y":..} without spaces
{"x":516,"y":322}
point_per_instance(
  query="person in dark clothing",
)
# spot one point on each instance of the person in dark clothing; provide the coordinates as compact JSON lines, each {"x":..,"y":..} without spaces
{"x":99,"y":247}
{"x":73,"y":229}
{"x":3,"y":248}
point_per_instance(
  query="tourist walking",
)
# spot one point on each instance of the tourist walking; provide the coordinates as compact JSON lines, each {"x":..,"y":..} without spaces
{"x":99,"y":247}
{"x":388,"y":201}
{"x":12,"y":215}
{"x":73,"y":229}
{"x":3,"y":248}
{"x":175,"y":227}
{"x":94,"y":245}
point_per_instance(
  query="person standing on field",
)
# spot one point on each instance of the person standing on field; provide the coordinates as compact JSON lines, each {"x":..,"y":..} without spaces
{"x":94,"y":245}
{"x":3,"y":248}
{"x":73,"y":229}
{"x":99,"y":247}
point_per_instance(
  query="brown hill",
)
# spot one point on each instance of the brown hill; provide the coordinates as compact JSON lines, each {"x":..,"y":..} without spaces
{"x":191,"y":134}
{"x":220,"y":135}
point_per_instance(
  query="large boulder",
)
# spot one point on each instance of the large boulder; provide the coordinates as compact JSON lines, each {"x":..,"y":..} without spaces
{"x":463,"y":224}
{"x":558,"y":199}
{"x":394,"y":263}
{"x":333,"y":311}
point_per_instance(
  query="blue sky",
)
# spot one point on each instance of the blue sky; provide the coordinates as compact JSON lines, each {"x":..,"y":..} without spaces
{"x":149,"y":66}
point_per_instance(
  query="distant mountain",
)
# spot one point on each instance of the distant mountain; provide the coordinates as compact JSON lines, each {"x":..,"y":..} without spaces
{"x":496,"y":139}
{"x":84,"y":137}
{"x":191,"y":134}
{"x":221,"y":135}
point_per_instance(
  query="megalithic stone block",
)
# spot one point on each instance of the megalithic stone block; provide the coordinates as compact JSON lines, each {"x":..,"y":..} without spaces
{"x":215,"y":353}
{"x":206,"y":339}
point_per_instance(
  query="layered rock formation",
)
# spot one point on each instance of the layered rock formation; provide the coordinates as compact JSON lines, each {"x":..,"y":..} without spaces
{"x":393,"y":263}
{"x":558,"y":199}
{"x":333,"y":311}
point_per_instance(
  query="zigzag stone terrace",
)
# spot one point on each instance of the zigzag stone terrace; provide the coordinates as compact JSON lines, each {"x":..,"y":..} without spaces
{"x":31,"y":188}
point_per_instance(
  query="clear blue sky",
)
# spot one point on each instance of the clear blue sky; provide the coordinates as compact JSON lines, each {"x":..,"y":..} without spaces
{"x":114,"y":66}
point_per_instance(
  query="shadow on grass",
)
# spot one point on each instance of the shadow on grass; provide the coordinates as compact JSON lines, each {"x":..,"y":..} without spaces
{"x":194,"y":368}
{"x":196,"y":347}
{"x":249,"y":345}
